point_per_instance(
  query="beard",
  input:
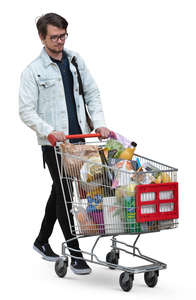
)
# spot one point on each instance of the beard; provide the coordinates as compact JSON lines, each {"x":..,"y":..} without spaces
{"x":55,"y":51}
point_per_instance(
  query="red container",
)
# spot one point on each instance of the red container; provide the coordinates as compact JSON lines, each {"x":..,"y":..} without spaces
{"x":155,"y":202}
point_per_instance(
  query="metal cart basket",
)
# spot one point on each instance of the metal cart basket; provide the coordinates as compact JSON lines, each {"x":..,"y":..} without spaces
{"x":133,"y":206}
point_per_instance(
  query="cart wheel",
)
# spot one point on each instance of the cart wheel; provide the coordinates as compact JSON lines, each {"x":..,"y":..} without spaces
{"x":151,"y":278}
{"x":61,"y":265}
{"x":126,"y":281}
{"x":112,"y":258}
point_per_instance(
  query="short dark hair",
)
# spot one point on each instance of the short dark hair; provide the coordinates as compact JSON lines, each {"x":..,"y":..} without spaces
{"x":50,"y":19}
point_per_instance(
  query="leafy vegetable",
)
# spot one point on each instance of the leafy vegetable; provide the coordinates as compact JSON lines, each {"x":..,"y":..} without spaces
{"x":114,"y":145}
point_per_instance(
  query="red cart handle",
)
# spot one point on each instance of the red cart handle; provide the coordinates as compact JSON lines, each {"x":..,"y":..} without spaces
{"x":53,"y":140}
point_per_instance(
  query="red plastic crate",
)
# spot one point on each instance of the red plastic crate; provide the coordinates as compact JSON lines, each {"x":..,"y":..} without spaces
{"x":156,"y":202}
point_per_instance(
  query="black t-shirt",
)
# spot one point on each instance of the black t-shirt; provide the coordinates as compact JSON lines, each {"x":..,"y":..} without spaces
{"x":74,"y":127}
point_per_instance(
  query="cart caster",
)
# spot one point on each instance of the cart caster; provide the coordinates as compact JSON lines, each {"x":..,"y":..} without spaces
{"x":112,"y":257}
{"x":126,"y":281}
{"x":61,"y":265}
{"x":151,"y":278}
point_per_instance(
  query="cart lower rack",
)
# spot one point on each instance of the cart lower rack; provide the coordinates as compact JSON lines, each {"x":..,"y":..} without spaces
{"x":109,"y":201}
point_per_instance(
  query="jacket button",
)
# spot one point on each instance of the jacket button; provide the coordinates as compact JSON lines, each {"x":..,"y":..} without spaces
{"x":76,"y":90}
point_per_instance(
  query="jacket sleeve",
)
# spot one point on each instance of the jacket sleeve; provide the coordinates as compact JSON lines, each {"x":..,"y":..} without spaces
{"x":28,"y":102}
{"x":92,"y":95}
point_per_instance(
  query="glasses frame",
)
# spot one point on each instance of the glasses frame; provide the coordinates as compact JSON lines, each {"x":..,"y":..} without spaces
{"x":62,"y":37}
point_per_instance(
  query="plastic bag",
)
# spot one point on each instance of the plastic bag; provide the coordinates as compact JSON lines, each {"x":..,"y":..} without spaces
{"x":122,"y":177}
{"x":91,"y":169}
{"x":120,"y":138}
{"x":75,"y":156}
{"x":86,"y":224}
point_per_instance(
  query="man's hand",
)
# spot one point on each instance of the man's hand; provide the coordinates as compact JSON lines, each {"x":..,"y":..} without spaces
{"x":59,"y":135}
{"x":103,"y":131}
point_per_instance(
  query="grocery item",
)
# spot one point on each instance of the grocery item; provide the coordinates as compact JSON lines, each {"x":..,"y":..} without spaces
{"x":138,"y":162}
{"x":97,"y":217}
{"x":122,"y":178}
{"x":123,"y":140}
{"x":94,"y":203}
{"x":153,"y":225}
{"x":144,"y":227}
{"x":150,"y":168}
{"x":105,"y":152}
{"x":114,"y":145}
{"x":95,"y":212}
{"x":124,"y":191}
{"x":96,"y":191}
{"x":91,"y":173}
{"x":107,"y":172}
{"x":135,"y":165}
{"x":166,"y":224}
{"x":86,"y":224}
{"x":141,"y":177}
{"x":144,"y":178}
{"x":112,"y":153}
{"x":71,"y":152}
{"x":163,"y":178}
{"x":125,"y":196}
{"x":130,"y":215}
{"x":158,"y":179}
{"x":128,"y":152}
{"x":113,"y":215}
{"x":165,"y":195}
{"x":138,"y":176}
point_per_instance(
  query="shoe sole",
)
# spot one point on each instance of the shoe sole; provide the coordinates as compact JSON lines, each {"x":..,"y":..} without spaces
{"x":80,"y":271}
{"x":48,"y":258}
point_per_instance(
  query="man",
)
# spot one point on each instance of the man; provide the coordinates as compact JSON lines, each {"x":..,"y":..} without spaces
{"x":50,"y":102}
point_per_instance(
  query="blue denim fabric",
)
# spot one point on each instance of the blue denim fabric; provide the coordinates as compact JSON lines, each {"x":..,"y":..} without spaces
{"x":42,"y":103}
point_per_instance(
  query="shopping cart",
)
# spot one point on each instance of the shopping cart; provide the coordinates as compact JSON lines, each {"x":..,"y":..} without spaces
{"x":101,"y":210}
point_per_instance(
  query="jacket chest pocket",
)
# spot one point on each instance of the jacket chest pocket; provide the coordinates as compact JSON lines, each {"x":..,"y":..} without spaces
{"x":48,"y":88}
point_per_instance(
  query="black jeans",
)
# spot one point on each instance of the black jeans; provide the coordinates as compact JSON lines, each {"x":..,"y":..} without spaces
{"x":55,"y":207}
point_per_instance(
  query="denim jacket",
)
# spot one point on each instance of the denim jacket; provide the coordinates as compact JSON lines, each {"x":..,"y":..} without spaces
{"x":42,"y":104}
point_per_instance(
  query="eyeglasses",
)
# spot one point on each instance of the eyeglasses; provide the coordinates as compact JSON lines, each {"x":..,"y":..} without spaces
{"x":62,"y":37}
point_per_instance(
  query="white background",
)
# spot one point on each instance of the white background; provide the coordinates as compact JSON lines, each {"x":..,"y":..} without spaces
{"x":142,"y":55}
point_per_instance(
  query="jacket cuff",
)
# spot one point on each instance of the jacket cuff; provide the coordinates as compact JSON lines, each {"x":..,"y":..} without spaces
{"x":98,"y":124}
{"x":47,"y":130}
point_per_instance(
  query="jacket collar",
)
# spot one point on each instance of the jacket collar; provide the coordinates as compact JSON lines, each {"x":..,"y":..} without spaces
{"x":46,"y":59}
